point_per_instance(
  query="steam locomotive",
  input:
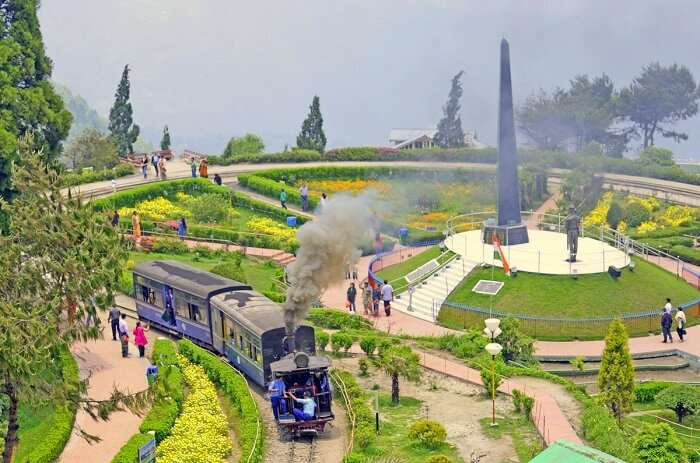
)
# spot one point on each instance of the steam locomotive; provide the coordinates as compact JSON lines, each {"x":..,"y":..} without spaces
{"x":232,"y":320}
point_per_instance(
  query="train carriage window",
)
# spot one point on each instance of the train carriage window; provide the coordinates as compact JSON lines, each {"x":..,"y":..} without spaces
{"x":230,"y":331}
{"x":241,"y":344}
{"x":149,"y":291}
{"x":249,"y":350}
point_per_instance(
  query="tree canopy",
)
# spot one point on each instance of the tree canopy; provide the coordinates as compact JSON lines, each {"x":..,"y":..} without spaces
{"x":683,"y":399}
{"x":121,"y":124}
{"x":28,"y":101}
{"x":657,"y":156}
{"x":312,"y":136}
{"x":399,"y":361}
{"x":616,"y":377}
{"x":165,"y":141}
{"x":247,"y":144}
{"x":450,"y":133}
{"x":91,"y":148}
{"x":658,"y":443}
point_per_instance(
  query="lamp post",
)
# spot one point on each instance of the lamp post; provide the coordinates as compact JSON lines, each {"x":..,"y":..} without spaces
{"x":492,"y":332}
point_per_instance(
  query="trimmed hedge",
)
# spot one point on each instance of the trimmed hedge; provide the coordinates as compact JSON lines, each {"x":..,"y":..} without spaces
{"x":690,"y":255}
{"x":246,"y":202}
{"x":129,"y":453}
{"x":53,"y":442}
{"x":295,"y":155}
{"x":88,"y":176}
{"x":646,"y":392}
{"x":236,"y":388}
{"x":364,"y":417}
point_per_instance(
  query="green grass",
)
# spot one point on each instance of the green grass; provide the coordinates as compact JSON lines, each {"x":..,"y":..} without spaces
{"x":260,"y":273}
{"x":395,"y":421}
{"x":690,"y":437}
{"x":588,"y":296}
{"x":525,"y":439}
{"x":398,"y":271}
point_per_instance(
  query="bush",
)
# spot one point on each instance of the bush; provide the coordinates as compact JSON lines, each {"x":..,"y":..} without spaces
{"x":615,"y":215}
{"x":296,"y":155}
{"x":333,"y":319}
{"x":358,"y":399}
{"x":602,"y":430}
{"x":229,"y":269}
{"x":439,"y":459}
{"x":429,"y":433}
{"x":635,"y":214}
{"x":248,"y":144}
{"x":89,"y":176}
{"x":130,"y":451}
{"x":690,"y":255}
{"x":646,"y":392}
{"x":231,"y":383}
{"x":683,"y":399}
{"x":169,"y":246}
{"x":210,"y":208}
{"x":368,"y":344}
{"x":341,"y":340}
{"x":658,"y":443}
{"x":363,"y":364}
{"x":322,"y":339}
{"x":160,"y":419}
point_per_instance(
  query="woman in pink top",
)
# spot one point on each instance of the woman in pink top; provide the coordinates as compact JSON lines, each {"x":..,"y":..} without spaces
{"x":140,"y":338}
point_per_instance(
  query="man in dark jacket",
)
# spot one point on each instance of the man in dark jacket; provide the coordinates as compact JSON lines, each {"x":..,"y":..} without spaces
{"x":351,"y":295}
{"x":113,"y":318}
{"x":666,"y":322}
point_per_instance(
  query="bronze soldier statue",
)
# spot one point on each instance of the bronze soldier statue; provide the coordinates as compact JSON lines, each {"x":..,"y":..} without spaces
{"x":572,"y":224}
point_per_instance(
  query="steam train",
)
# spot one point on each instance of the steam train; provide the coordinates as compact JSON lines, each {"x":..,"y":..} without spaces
{"x":230,"y":319}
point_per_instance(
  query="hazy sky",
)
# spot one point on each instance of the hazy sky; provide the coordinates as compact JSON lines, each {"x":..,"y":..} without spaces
{"x":212,"y":69}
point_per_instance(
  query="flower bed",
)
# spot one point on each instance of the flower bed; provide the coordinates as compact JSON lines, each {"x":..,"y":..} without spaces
{"x":200,"y":433}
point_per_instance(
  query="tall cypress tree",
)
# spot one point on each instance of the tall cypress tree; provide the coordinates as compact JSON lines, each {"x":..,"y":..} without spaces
{"x":616,"y":377}
{"x":28,"y":102}
{"x":311,"y":136}
{"x":450,"y":133}
{"x":124,"y":132}
{"x":165,"y":141}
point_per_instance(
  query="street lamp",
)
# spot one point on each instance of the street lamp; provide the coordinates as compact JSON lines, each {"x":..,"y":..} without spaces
{"x":492,"y":331}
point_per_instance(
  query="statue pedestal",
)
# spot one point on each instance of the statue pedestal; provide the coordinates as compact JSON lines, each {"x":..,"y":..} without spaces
{"x":508,"y":235}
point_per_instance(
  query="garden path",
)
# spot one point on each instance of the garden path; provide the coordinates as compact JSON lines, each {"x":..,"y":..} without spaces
{"x":550,"y":203}
{"x":101,"y":361}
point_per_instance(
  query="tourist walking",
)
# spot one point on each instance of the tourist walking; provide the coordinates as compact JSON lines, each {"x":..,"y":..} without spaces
{"x":376,"y":297}
{"x":323,"y":202}
{"x":217,"y":179}
{"x":163,"y":169}
{"x":144,"y":166}
{"x":666,"y":322}
{"x":194,"y":165}
{"x":354,"y":272}
{"x":181,"y":228}
{"x":351,"y":295}
{"x":115,"y":219}
{"x":367,"y":298}
{"x":304,"y":193}
{"x":203,"y":169}
{"x":283,"y":198}
{"x":113,"y":319}
{"x":140,"y":338}
{"x":680,"y":323}
{"x":124,"y":335}
{"x":668,"y":307}
{"x":155,"y":160}
{"x":387,"y":297}
{"x":136,"y":226}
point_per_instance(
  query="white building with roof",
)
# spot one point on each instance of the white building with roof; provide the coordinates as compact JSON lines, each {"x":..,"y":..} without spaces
{"x":425,"y":138}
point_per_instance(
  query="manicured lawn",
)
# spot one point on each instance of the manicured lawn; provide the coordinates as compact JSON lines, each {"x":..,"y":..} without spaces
{"x":588,"y":296}
{"x":398,"y":271}
{"x":393,"y":440}
{"x":259,"y":272}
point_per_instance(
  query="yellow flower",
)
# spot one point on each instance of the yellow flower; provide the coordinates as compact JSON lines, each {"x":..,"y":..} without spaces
{"x":599,"y":215}
{"x":647,"y":227}
{"x":160,"y":209}
{"x":350,"y":186}
{"x":268,"y":226}
{"x":675,"y":216}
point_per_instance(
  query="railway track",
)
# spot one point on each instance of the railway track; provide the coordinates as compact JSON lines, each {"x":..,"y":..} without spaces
{"x":302,"y":450}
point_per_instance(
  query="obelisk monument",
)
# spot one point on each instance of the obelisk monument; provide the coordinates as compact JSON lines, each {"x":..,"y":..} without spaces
{"x":509,"y":226}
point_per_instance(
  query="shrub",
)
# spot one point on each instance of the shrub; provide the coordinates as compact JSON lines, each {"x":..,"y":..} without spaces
{"x":429,"y":433}
{"x":683,"y":399}
{"x":439,"y":459}
{"x":635,"y":214}
{"x":358,"y":398}
{"x":363,"y":364}
{"x":341,"y":340}
{"x":337,"y":320}
{"x":646,"y":392}
{"x":248,"y":144}
{"x":235,"y":387}
{"x":160,"y":419}
{"x":130,"y":451}
{"x":210,"y":208}
{"x":296,"y":155}
{"x":368,"y":344}
{"x":81,"y":177}
{"x":658,"y":443}
{"x":602,"y":430}
{"x":615,"y":214}
{"x":229,"y":269}
{"x":322,"y":339}
{"x":170,"y":246}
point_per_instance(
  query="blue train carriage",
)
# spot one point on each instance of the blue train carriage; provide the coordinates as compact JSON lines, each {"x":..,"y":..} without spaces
{"x":249,"y":329}
{"x":176,"y":298}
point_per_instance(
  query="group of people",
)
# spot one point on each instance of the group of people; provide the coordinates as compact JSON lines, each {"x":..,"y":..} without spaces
{"x":158,"y":163}
{"x":304,"y":195}
{"x":117,"y":321}
{"x":371,"y":298}
{"x":301,"y":398}
{"x":203,"y":168}
{"x":667,"y":322}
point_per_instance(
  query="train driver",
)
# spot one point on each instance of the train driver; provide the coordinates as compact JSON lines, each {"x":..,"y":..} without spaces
{"x":308,"y":412}
{"x":277,"y":390}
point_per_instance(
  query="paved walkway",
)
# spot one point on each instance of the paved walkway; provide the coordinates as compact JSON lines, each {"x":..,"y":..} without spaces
{"x":101,"y":361}
{"x":538,"y":216}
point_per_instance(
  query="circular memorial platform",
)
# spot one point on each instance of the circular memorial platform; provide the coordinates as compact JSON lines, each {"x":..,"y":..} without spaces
{"x":545,"y":253}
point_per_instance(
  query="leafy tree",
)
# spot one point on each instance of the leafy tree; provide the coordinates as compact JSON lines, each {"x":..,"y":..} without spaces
{"x":311,"y":136}
{"x":659,"y":98}
{"x":29,"y":102}
{"x":657,"y":156}
{"x":683,"y":399}
{"x":543,"y":120}
{"x":590,"y":108}
{"x":165,"y":141}
{"x":658,"y":443}
{"x":121,"y":123}
{"x":57,"y":254}
{"x":615,"y":215}
{"x":635,"y":214}
{"x":247,"y":144}
{"x":368,"y":344}
{"x":450,"y":133}
{"x":516,"y":345}
{"x":91,"y":149}
{"x":399,"y":361}
{"x":616,"y":377}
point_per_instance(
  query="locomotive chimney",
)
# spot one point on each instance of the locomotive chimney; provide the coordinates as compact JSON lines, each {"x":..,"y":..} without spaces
{"x":291,"y":342}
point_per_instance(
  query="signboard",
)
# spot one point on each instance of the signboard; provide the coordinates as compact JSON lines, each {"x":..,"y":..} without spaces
{"x":147,"y":453}
{"x":422,"y":271}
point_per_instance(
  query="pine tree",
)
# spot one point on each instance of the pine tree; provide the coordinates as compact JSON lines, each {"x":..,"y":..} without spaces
{"x":165,"y":141}
{"x":616,"y":377}
{"x":124,"y":132}
{"x":450,"y":133}
{"x":311,"y":136}
{"x":29,"y":102}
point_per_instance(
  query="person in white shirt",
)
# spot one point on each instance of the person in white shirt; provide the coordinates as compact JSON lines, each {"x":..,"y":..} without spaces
{"x":309,"y":407}
{"x":387,"y":297}
{"x":124,"y":335}
{"x":668,"y":307}
{"x":680,"y":323}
